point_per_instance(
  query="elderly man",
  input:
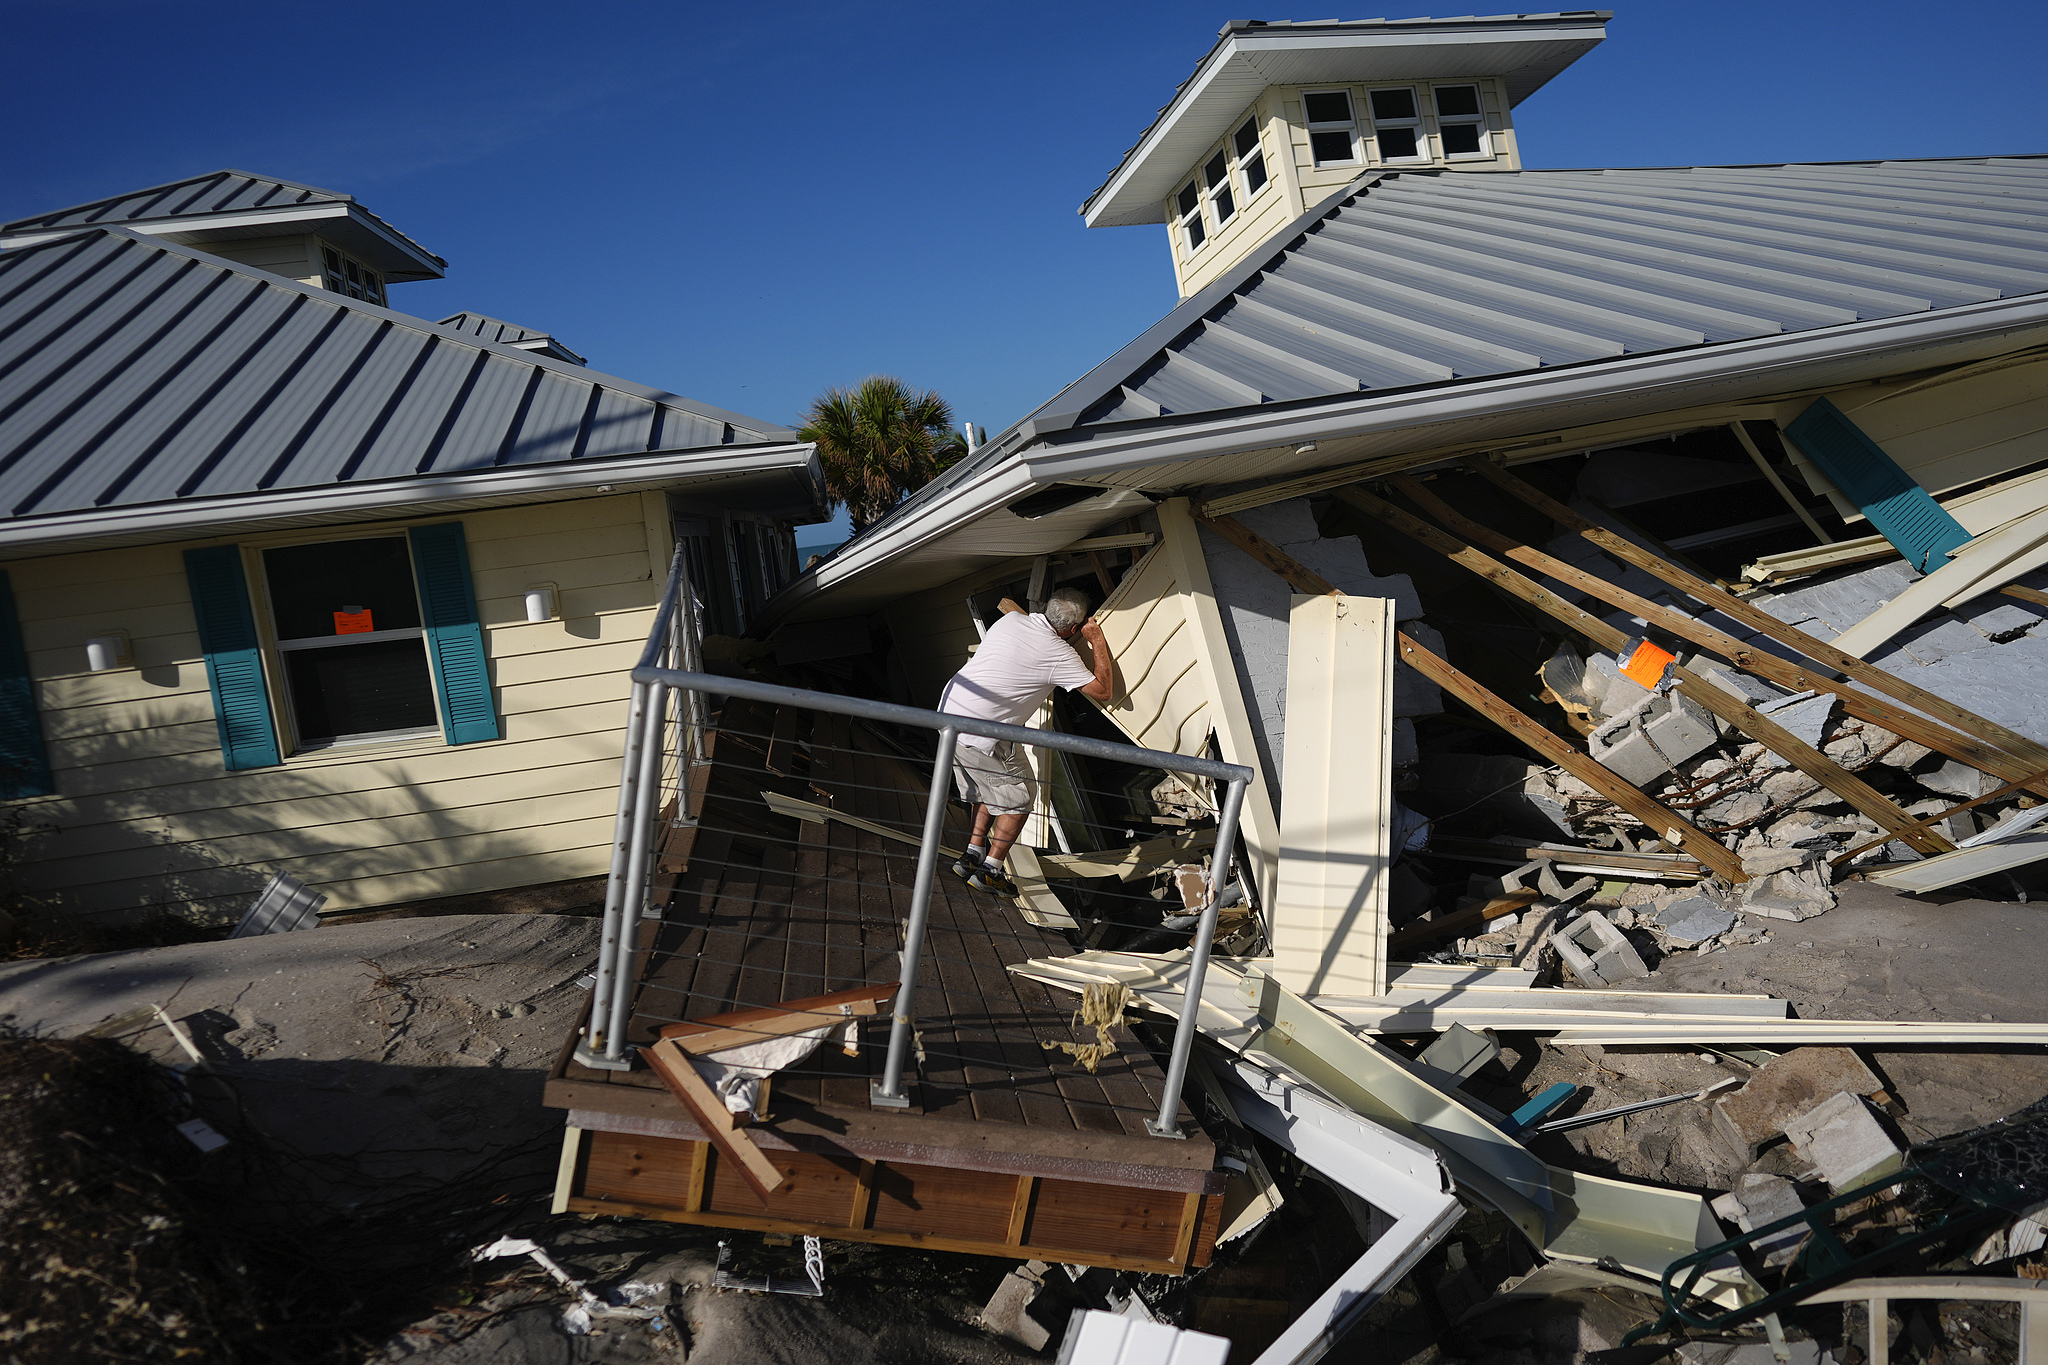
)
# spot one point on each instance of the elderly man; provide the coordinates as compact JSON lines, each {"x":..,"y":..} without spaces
{"x":1022,"y":658}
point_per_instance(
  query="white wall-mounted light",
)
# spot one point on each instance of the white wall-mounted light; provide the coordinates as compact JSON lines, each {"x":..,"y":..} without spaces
{"x":104,"y":653}
{"x":540,"y":602}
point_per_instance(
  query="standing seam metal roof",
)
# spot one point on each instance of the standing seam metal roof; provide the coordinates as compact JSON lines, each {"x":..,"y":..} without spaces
{"x":1423,"y":278}
{"x":134,"y":370}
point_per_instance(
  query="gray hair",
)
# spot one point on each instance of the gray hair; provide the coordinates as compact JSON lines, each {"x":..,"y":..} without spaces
{"x":1066,"y":609}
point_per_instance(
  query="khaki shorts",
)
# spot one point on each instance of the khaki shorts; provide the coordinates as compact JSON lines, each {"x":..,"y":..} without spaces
{"x":995,"y":778}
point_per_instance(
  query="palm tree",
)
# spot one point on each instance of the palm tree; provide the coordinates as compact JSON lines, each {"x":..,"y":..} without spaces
{"x":880,"y":442}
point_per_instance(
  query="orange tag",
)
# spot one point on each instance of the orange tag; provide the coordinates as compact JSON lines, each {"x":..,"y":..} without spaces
{"x":353,"y":622}
{"x":1644,"y":665}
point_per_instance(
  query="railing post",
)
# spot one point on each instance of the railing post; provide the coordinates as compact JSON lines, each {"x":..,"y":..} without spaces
{"x":646,"y":786}
{"x":1167,"y":1124}
{"x":889,"y":1092}
{"x":608,"y":982}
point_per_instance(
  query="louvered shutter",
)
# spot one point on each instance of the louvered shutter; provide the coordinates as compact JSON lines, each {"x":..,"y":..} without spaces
{"x":455,"y":639}
{"x":234,"y":658}
{"x":1901,"y":510}
{"x":24,"y":765}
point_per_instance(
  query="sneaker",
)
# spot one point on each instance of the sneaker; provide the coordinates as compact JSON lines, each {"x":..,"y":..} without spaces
{"x":993,"y":879}
{"x":966,"y":865}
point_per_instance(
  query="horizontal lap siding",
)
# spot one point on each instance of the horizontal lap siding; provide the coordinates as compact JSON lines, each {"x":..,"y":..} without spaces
{"x":146,"y":816}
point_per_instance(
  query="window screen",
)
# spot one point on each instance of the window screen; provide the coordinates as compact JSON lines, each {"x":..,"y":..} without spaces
{"x":347,"y":617}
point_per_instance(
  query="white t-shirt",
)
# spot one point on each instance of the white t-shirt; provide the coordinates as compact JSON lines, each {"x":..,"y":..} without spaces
{"x":1021,"y":660}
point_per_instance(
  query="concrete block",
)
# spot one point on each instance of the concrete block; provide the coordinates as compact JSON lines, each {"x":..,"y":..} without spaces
{"x":1598,"y":953}
{"x":1765,"y":861}
{"x":1759,"y":1200}
{"x":1794,"y":894}
{"x":1641,"y":748}
{"x":1785,"y":1088}
{"x":1844,"y":1139}
{"x":1736,"y":683}
{"x":1008,"y":1312}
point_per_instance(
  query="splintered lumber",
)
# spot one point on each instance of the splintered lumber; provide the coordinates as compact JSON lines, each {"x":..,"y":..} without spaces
{"x":1762,"y":662}
{"x":1645,"y":808}
{"x":737,"y":1028}
{"x":668,"y":1061}
{"x":1516,"y":852}
{"x":1458,"y":921}
{"x":1928,"y":822}
{"x":2016,"y":745}
{"x":1730,"y":709}
{"x":2034,"y":595}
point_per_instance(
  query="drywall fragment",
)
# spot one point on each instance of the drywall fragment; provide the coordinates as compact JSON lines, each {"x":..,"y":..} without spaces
{"x":1598,"y":953}
{"x":1694,"y":919}
{"x":1758,"y":1200}
{"x":1647,"y":744}
{"x":1785,"y":1087}
{"x":1844,"y":1139}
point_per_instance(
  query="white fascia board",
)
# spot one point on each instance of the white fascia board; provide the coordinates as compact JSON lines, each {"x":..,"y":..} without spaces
{"x":1230,"y":78}
{"x":201,"y":517}
{"x":1741,"y":370}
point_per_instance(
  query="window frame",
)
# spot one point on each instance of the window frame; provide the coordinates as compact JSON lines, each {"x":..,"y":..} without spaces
{"x":1350,"y":125}
{"x":1190,"y":220}
{"x":1221,"y":186}
{"x":1239,"y":160}
{"x":1472,"y":120}
{"x":1414,"y":123}
{"x":336,"y":267}
{"x":275,"y":648}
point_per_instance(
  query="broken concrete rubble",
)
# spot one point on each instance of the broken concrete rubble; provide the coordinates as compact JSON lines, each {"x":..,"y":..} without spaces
{"x":1844,"y":1141}
{"x":1789,"y":1085}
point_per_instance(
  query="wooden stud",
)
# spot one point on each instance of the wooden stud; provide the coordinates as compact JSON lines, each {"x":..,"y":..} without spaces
{"x":2034,"y":595}
{"x":1101,"y":567}
{"x":1190,"y":1222}
{"x":736,"y":1028}
{"x":700,"y":1173}
{"x":1660,"y":818}
{"x":1428,"y":931}
{"x":720,"y":1124}
{"x":863,"y":1196}
{"x":1020,"y":1209}
{"x":2016,"y":745}
{"x":1761,"y":662}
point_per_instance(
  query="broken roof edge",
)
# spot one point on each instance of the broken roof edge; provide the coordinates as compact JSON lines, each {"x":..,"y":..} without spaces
{"x":1678,"y":376}
{"x":764,"y":431}
{"x":1242,"y":33}
{"x":419,"y":495}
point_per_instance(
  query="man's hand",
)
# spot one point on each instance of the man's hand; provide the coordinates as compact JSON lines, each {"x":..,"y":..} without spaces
{"x":1103,"y":688}
{"x":1091,"y":632}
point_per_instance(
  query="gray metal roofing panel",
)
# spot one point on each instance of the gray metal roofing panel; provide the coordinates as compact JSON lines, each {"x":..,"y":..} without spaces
{"x":216,"y":192}
{"x":1449,"y":275}
{"x":491,"y":329}
{"x":134,"y":370}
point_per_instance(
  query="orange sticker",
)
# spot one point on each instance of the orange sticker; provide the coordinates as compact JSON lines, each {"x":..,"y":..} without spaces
{"x":353,"y":622}
{"x":1645,"y":664}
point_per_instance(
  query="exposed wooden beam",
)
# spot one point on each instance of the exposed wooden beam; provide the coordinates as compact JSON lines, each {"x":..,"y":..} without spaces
{"x":1762,"y":662}
{"x":1644,"y":807}
{"x":1428,"y":931}
{"x":720,"y":1124}
{"x":2034,"y":755}
{"x":1701,"y":691}
{"x":1743,"y":439}
{"x":737,"y":1028}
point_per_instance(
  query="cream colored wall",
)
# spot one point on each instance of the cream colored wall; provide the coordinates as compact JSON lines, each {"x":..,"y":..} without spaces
{"x":1301,"y":184}
{"x":295,"y":258}
{"x":146,"y":817}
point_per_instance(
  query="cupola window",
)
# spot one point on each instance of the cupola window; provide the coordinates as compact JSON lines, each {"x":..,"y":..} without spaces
{"x":1332,"y":127}
{"x":1397,"y":125}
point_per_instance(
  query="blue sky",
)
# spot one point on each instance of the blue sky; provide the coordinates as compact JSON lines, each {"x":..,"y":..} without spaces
{"x":747,"y":204}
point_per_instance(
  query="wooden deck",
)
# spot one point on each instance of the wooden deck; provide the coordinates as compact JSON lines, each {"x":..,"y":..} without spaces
{"x":1010,"y":1148}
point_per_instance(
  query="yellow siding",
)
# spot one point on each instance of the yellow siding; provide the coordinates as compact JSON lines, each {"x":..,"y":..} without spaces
{"x":295,"y":258}
{"x":146,"y":816}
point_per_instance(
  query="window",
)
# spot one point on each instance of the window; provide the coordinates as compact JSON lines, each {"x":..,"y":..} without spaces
{"x":347,"y":616}
{"x":1188,"y":203}
{"x":1397,"y":125}
{"x":344,"y":275}
{"x":1216,"y":174}
{"x":1459,"y":122}
{"x":1251,"y":162}
{"x":1332,"y":128}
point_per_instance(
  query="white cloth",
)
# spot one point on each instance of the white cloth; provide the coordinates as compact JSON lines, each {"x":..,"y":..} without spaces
{"x":1021,"y":660}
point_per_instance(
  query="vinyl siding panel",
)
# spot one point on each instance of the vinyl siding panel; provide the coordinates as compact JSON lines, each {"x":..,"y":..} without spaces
{"x":145,"y":815}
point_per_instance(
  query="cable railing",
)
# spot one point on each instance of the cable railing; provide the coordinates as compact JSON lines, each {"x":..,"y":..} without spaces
{"x":666,"y":725}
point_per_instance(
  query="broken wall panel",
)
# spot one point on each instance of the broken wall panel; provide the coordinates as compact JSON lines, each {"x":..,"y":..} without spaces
{"x":1329,"y":921}
{"x":1176,"y":680}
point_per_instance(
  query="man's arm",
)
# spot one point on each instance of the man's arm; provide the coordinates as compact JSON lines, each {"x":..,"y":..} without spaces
{"x":1103,"y":688}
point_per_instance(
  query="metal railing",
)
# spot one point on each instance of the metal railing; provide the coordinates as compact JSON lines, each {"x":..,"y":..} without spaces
{"x":664,"y":729}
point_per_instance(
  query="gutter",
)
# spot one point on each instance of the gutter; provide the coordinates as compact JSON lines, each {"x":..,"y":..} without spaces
{"x":200,"y":517}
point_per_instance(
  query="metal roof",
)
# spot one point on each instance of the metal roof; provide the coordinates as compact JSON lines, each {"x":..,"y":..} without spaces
{"x":511,"y":334}
{"x":230,"y":204}
{"x":1421,"y":278}
{"x":135,"y":371}
{"x":1524,"y":50}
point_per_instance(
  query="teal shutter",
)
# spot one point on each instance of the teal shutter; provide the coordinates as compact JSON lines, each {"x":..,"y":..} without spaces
{"x":1902,"y":511}
{"x":455,"y":640}
{"x":24,"y":765}
{"x":234,"y":658}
